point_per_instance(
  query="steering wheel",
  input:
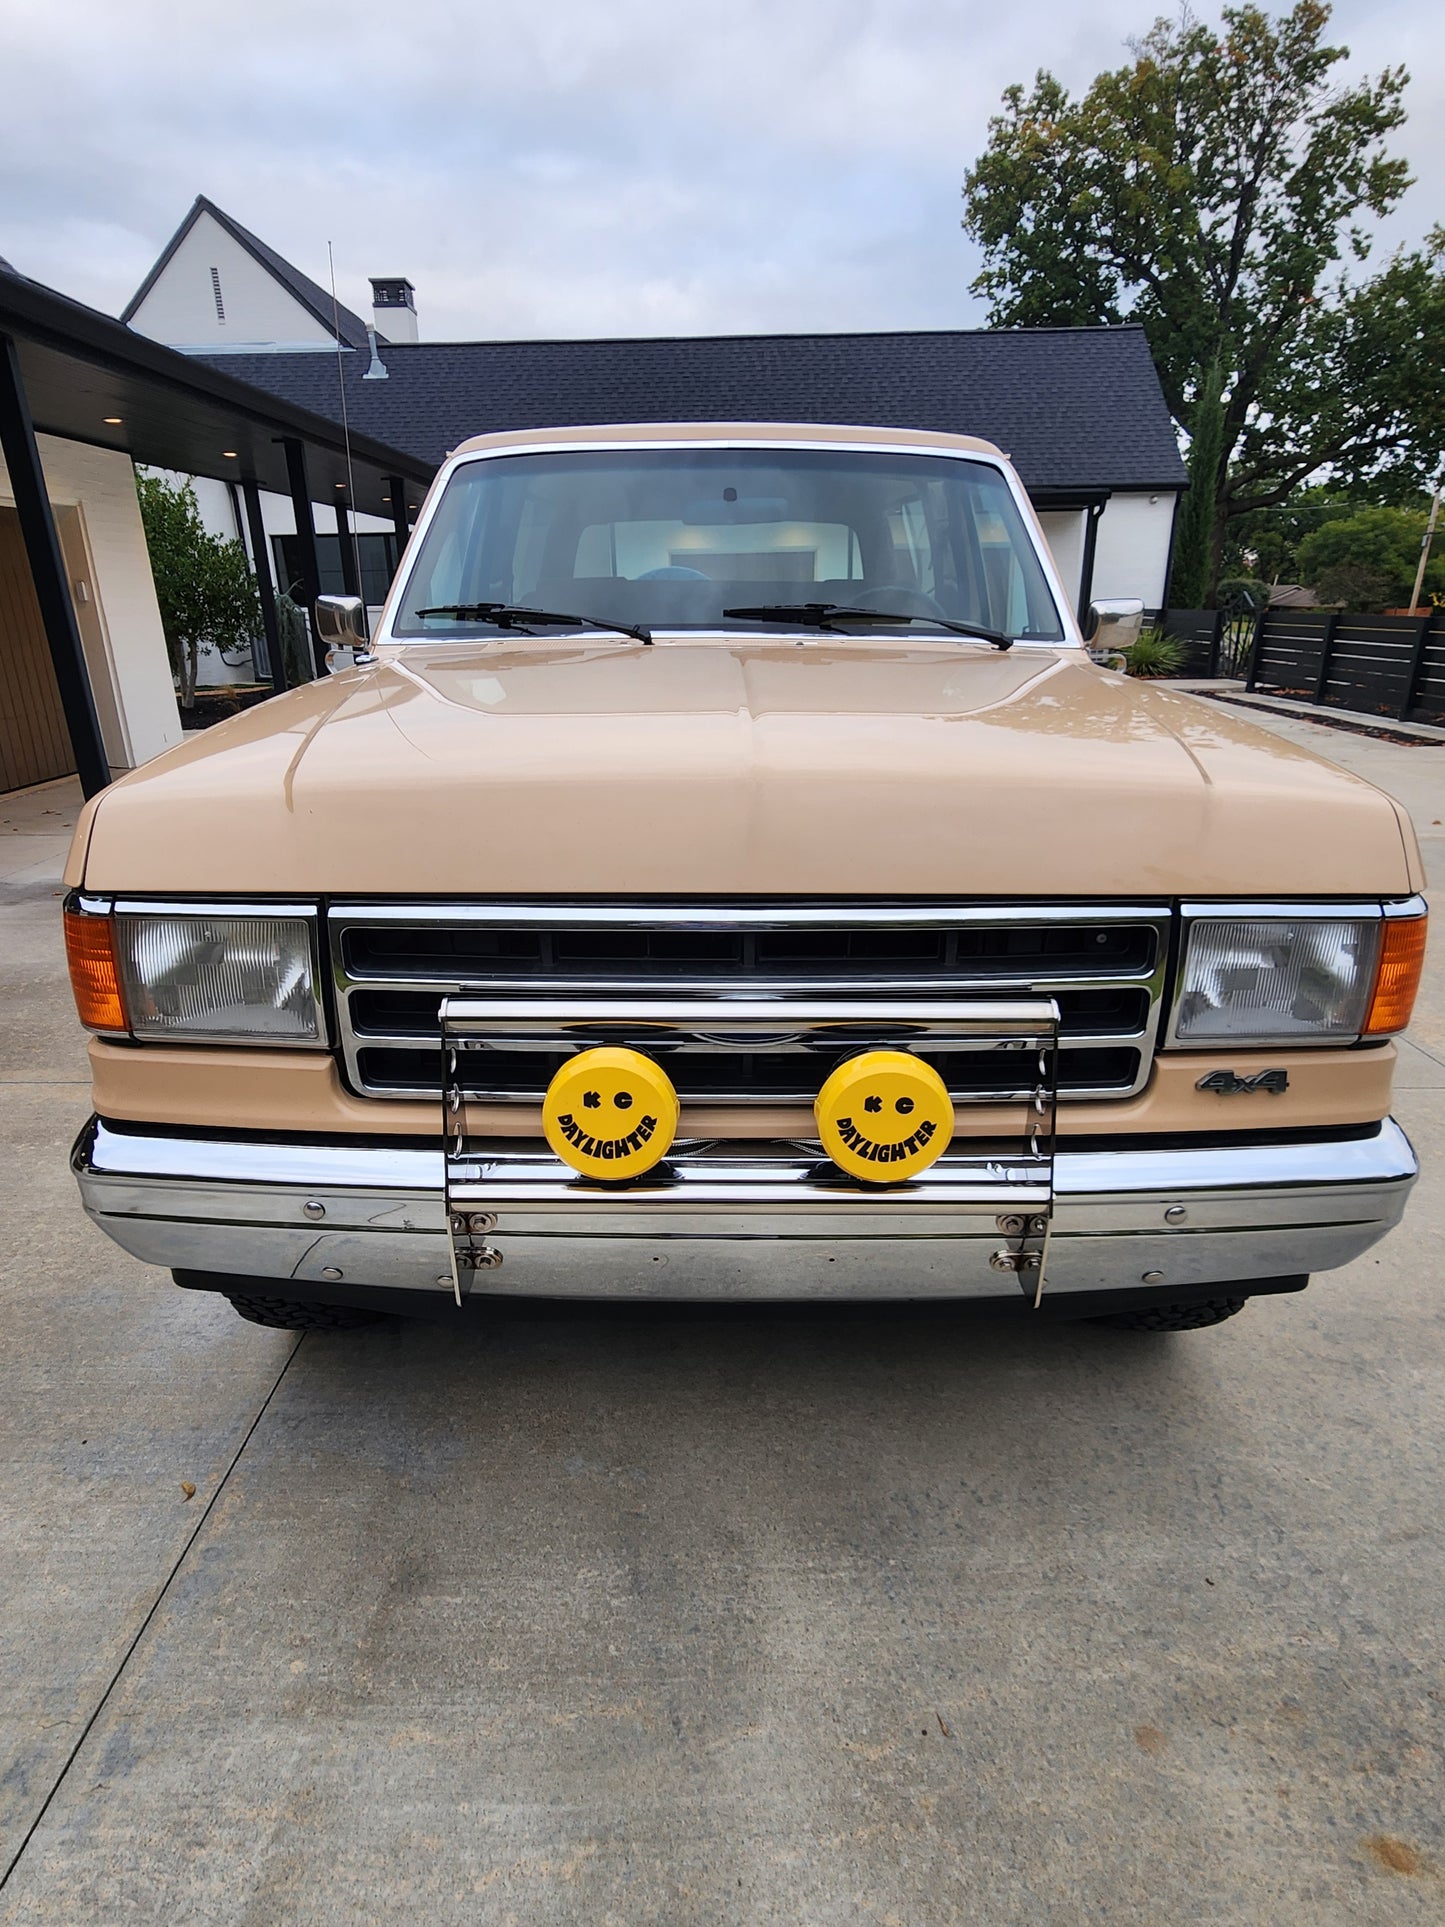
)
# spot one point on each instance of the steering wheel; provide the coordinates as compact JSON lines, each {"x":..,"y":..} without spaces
{"x":897,"y":595}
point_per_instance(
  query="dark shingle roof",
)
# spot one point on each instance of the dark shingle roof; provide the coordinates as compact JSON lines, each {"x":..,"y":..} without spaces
{"x":1077,"y":408}
{"x":315,"y":300}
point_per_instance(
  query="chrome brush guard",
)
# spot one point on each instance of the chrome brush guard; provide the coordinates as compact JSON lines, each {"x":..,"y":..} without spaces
{"x":722,"y":1209}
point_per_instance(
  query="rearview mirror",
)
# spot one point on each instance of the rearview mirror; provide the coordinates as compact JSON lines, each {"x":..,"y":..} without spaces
{"x":1114,"y":624}
{"x":735,"y":509}
{"x":341,"y":625}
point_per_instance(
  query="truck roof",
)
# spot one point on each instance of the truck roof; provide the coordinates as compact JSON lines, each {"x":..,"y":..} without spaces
{"x":726,"y":432}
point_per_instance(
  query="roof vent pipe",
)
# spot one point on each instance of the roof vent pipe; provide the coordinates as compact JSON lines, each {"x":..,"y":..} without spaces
{"x":393,"y":307}
{"x":377,"y":371}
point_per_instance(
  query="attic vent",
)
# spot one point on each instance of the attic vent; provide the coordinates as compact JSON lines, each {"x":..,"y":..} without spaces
{"x":216,"y":291}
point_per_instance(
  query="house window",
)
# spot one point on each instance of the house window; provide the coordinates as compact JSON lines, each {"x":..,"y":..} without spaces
{"x":378,"y":565}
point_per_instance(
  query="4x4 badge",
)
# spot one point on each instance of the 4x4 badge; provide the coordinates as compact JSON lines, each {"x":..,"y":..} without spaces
{"x":1231,"y":1084}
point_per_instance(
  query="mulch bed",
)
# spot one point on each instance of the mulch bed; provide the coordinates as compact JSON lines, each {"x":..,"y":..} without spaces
{"x":215,"y":705}
{"x":1327,"y":720}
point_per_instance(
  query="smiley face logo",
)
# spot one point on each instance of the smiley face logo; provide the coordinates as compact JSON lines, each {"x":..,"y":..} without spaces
{"x":610,"y":1113}
{"x":884,"y":1116}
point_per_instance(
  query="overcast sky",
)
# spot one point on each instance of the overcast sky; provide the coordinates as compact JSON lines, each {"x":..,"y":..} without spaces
{"x":569,"y":167}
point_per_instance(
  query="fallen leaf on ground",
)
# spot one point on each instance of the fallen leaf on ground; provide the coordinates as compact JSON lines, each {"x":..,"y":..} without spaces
{"x":188,"y":1489}
{"x":1398,"y":1856}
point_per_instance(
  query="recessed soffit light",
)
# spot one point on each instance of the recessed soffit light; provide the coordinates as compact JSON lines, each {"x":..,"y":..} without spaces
{"x":114,"y":421}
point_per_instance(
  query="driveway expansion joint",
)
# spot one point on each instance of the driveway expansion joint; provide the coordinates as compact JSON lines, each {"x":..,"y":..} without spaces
{"x":150,"y":1614}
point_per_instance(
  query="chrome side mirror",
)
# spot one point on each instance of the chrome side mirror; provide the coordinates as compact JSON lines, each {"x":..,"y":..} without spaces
{"x":1114,"y":624}
{"x":341,"y":625}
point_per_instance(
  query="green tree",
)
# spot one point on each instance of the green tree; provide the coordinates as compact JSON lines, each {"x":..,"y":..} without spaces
{"x":1265,"y":542}
{"x":1368,"y":560}
{"x":1208,"y":190}
{"x":204,"y":585}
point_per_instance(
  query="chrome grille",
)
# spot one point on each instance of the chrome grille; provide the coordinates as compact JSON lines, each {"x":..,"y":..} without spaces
{"x":393,"y":964}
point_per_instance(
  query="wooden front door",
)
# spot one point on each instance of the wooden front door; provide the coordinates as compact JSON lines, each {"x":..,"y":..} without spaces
{"x":34,"y":742}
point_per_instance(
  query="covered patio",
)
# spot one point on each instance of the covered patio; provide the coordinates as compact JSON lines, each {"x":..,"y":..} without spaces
{"x":84,"y":679}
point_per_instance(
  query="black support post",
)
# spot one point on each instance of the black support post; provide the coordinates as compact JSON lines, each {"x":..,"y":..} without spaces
{"x":396,"y":488}
{"x":1086,"y":571}
{"x":1417,"y":663}
{"x":350,"y":574}
{"x":47,"y":572}
{"x":305,"y":542}
{"x":1216,"y":638}
{"x":1327,"y":650}
{"x":265,"y":588}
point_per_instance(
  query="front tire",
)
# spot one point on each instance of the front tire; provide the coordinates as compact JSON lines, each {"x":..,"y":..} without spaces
{"x":289,"y":1315}
{"x":1173,"y":1318}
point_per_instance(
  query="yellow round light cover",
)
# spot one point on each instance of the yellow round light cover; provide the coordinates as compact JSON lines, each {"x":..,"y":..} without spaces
{"x":610,"y":1113}
{"x":884,"y":1115}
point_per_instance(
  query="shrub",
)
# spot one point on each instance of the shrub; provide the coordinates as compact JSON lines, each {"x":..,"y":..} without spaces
{"x":1152,"y":655}
{"x":1242,"y":595}
{"x":204,"y":586}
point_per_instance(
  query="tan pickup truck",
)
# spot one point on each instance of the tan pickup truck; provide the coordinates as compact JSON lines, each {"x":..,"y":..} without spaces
{"x":725,"y":874}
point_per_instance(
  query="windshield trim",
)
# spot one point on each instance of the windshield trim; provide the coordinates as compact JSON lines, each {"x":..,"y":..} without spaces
{"x":565,"y":444}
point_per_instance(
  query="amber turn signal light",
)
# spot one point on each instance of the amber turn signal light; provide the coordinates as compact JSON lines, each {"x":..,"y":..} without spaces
{"x":94,"y":976}
{"x":1402,"y":958}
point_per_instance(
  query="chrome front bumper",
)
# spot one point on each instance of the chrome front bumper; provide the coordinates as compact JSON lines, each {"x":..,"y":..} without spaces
{"x":739,"y":1221}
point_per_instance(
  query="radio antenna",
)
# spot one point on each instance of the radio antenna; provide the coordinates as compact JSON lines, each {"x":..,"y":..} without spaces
{"x":345,"y":427}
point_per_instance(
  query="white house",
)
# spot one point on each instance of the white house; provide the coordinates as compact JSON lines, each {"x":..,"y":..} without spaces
{"x":1079,"y":409}
{"x":85,"y":682}
{"x":217,"y":290}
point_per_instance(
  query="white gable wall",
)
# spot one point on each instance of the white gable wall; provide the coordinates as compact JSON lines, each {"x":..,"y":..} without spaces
{"x":1064,"y":532}
{"x":1131,"y":552}
{"x":180,"y":310}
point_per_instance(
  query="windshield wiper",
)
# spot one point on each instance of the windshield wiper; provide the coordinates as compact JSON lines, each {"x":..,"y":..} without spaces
{"x":828,"y":615}
{"x":510,"y":615}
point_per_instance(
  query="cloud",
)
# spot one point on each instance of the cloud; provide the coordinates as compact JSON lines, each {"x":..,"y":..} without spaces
{"x":646,"y":166}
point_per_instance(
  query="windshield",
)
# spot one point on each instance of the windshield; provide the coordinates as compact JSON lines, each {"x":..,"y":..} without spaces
{"x":671,"y":538}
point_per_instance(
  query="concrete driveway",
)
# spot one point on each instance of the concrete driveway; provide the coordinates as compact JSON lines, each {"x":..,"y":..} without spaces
{"x":568,"y":1615}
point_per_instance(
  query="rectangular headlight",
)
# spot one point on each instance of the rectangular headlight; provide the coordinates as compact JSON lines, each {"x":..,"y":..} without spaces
{"x":1275,"y":980}
{"x":197,"y":977}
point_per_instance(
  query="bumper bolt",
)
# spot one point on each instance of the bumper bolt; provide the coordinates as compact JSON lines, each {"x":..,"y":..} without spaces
{"x":1011,"y":1224}
{"x":1176,"y":1214}
{"x":331,"y":1273}
{"x":487,"y":1258}
{"x":313,"y":1208}
{"x":1152,"y":1278}
{"x":482,"y":1221}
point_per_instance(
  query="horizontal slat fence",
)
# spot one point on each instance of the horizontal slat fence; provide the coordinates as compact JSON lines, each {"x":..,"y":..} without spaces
{"x":1198,"y":633}
{"x":1379,"y":665}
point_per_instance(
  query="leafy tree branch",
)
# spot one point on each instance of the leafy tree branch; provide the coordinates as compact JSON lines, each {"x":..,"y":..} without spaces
{"x":1210,"y":191}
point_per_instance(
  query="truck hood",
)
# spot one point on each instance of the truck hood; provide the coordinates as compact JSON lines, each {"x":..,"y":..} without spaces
{"x":735,"y":767}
